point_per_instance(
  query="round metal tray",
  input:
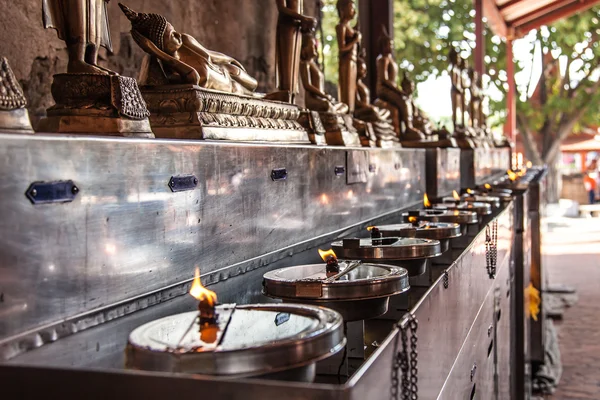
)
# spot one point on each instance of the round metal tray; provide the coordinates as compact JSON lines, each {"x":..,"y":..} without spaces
{"x":254,"y":340}
{"x":362,"y":293}
{"x":451,"y":216}
{"x":409,"y":253}
{"x":442,"y":231}
{"x":494,"y":201}
{"x":482,"y":209}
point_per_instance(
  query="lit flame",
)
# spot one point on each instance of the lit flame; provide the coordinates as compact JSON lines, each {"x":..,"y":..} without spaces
{"x":412,"y":219}
{"x":470,"y":191}
{"x":511,"y":175}
{"x":200,"y":293}
{"x":529,"y":164}
{"x":455,"y":195}
{"x":426,"y":201}
{"x":324,"y":199}
{"x":325,"y":254}
{"x":369,"y":228}
{"x":487,"y":186}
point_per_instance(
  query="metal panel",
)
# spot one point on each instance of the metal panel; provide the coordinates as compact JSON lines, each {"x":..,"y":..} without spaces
{"x":127,"y":241}
{"x":443,"y":171}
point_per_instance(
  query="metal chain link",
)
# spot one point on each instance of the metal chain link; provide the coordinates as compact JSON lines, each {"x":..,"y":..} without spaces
{"x":403,"y":360}
{"x":491,"y":248}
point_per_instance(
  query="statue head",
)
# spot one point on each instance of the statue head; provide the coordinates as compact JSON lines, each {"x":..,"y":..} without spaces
{"x":408,"y":86}
{"x":155,"y":28}
{"x":474,"y":75}
{"x":386,"y":44}
{"x":346,"y":9}
{"x":310,"y":50}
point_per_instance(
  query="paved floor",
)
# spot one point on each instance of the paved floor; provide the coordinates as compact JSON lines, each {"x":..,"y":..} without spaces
{"x":572,"y":254}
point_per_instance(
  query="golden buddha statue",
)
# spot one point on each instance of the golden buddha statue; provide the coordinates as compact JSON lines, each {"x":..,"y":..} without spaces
{"x":391,"y":97}
{"x":182,"y":59}
{"x":83,"y":25}
{"x":290,"y":26}
{"x":90,"y":99}
{"x":314,"y":82}
{"x":349,"y":39}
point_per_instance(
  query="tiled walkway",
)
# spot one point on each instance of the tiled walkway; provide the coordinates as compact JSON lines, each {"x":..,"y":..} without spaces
{"x":572,"y":248}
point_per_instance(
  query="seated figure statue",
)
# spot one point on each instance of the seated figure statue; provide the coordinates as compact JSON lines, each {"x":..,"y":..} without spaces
{"x":419,"y":119}
{"x":178,"y":58}
{"x":391,"y":97}
{"x":314,"y":82}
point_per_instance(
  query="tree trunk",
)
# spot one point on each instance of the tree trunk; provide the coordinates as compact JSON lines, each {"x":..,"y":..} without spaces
{"x":553,"y":180}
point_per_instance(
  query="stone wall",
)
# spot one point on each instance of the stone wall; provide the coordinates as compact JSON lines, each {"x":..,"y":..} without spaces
{"x":244,"y":29}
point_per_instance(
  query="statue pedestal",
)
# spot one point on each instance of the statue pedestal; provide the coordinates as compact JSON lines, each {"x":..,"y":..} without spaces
{"x":13,"y":114}
{"x":340,"y":130}
{"x":311,"y":121}
{"x":366,"y":133}
{"x":97,"y":104}
{"x":190,"y":112}
{"x":15,"y":121}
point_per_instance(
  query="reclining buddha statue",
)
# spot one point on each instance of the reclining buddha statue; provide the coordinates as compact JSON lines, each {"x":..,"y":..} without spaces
{"x":180,"y":58}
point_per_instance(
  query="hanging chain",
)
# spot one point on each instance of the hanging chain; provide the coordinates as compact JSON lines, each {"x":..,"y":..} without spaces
{"x":491,"y":248}
{"x":446,"y":283}
{"x":406,"y":362}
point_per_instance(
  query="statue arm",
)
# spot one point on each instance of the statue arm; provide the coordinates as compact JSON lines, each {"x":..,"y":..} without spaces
{"x":188,"y":73}
{"x":341,"y":37}
{"x":284,"y":10}
{"x":214,"y":56}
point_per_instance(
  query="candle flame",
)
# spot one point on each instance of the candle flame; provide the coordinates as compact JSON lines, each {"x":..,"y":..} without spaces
{"x":369,"y":228}
{"x":325,"y":254}
{"x":455,"y":195}
{"x":511,"y":175}
{"x":200,"y":293}
{"x":529,"y":164}
{"x":412,"y":219}
{"x":487,"y":186}
{"x":426,"y":201}
{"x":470,"y":191}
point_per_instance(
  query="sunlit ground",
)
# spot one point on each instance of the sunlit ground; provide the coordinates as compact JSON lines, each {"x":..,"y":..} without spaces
{"x":572,"y":257}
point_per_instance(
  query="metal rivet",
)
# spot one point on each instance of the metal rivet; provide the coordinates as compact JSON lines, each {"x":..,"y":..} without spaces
{"x":34,"y":192}
{"x":75,"y":190}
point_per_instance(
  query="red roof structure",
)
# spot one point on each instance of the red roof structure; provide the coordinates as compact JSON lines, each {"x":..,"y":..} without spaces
{"x":513,"y":19}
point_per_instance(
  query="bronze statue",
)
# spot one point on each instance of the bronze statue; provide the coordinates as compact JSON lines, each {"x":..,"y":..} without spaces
{"x":89,"y":98}
{"x":418,"y":119}
{"x":475,"y":104}
{"x":379,"y":118}
{"x":339,"y":126}
{"x":389,"y":95}
{"x":83,"y":25}
{"x":349,"y":39}
{"x":290,"y":26}
{"x":457,"y":92}
{"x":182,"y":59}
{"x":314,"y":82}
{"x":14,"y":117}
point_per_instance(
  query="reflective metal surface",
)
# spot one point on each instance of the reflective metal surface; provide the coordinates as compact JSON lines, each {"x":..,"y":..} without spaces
{"x":478,"y":198}
{"x":443,"y":171}
{"x":490,"y":162}
{"x":128,"y":242}
{"x":257,"y":339}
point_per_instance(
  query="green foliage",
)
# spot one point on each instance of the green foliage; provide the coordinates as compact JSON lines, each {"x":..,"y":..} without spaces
{"x":425,"y":30}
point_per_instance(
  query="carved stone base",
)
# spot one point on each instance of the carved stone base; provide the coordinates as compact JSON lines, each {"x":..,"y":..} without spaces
{"x":15,"y":121}
{"x":339,"y":129}
{"x":366,"y":134}
{"x":311,"y":121}
{"x":394,"y":115}
{"x":97,"y":104}
{"x":190,"y":112}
